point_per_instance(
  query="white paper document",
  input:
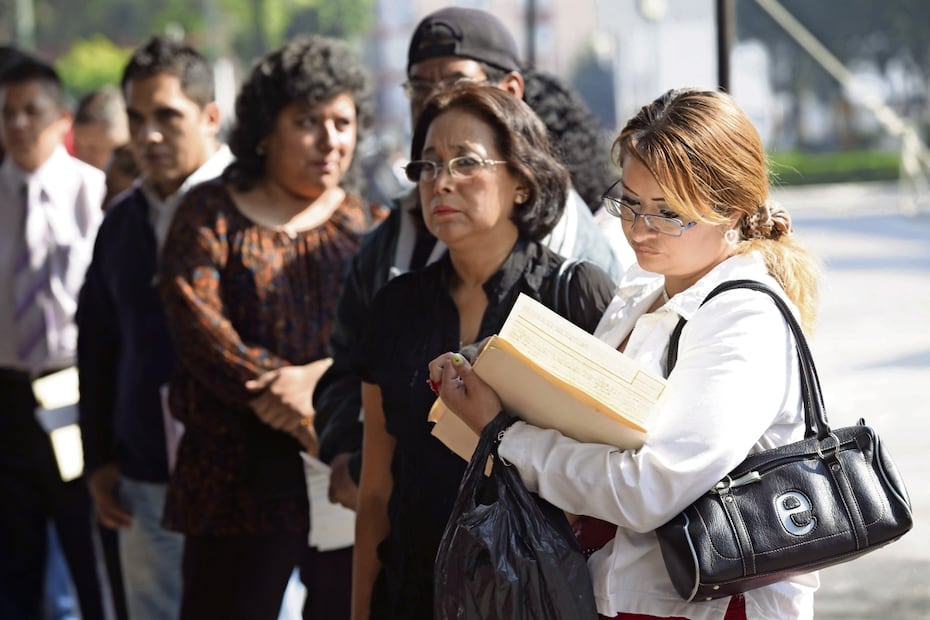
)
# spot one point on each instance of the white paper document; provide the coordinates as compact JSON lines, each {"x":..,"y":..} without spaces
{"x":57,"y":395}
{"x":332,"y":526}
{"x":58,"y":389}
{"x":69,"y":451}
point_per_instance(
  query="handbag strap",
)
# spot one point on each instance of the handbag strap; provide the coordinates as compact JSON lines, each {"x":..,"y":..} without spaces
{"x":561,"y":289}
{"x":815,"y":417}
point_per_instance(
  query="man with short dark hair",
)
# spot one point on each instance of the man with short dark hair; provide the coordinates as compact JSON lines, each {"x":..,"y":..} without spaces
{"x":449,"y":46}
{"x":49,"y":215}
{"x":125,"y":354}
{"x":9,"y":56}
{"x":454,"y":45}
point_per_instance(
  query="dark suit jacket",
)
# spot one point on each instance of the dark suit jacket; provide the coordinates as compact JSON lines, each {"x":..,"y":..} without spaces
{"x":125,"y":353}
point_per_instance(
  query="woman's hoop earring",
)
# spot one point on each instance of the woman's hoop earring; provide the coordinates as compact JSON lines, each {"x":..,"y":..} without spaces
{"x":731,"y":237}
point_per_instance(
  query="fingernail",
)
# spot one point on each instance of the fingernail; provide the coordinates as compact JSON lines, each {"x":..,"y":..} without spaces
{"x":457,"y":359}
{"x":434,"y":385}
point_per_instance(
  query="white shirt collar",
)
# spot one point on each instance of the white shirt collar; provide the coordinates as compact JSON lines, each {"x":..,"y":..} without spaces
{"x":47,"y":177}
{"x":639,"y":288}
{"x":210,"y":169}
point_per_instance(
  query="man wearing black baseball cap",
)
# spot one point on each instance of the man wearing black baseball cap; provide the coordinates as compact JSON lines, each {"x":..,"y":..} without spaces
{"x":464,"y":33}
{"x":456,"y":45}
{"x":449,"y":46}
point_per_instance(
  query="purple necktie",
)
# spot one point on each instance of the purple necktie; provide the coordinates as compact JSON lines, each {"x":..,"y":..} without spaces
{"x":31,"y":287}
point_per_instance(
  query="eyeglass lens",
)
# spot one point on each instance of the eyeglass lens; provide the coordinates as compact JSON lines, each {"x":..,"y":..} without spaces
{"x":658,"y":223}
{"x":417,"y":89}
{"x":458,"y":167}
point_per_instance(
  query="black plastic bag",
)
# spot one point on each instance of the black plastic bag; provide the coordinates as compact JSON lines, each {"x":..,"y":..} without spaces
{"x":507,"y":554}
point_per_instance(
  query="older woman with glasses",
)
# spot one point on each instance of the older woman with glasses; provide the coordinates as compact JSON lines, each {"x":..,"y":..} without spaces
{"x":695,"y":208}
{"x":490,"y":189}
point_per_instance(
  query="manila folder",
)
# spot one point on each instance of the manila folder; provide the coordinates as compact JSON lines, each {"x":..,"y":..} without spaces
{"x":553,"y":374}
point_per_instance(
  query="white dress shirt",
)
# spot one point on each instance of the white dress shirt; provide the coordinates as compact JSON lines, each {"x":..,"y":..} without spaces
{"x":70,"y":193}
{"x":735,"y":389}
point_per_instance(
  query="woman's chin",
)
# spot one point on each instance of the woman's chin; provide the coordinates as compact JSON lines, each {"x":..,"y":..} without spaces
{"x":445,"y":231}
{"x":649,"y":262}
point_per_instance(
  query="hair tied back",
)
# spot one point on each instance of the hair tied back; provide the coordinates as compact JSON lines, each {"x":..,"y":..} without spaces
{"x":770,"y":221}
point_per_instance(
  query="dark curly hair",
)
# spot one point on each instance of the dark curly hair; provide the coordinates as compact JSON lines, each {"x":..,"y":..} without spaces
{"x":576,"y":135}
{"x":162,"y":54}
{"x":522,"y":141}
{"x":309,"y":69}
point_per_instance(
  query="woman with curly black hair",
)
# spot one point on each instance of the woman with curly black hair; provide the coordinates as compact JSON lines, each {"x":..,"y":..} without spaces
{"x":577,"y":138}
{"x":251,"y":273}
{"x":582,"y":147}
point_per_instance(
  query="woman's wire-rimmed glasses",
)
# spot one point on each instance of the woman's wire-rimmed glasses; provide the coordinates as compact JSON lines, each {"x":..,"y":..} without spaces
{"x":671,"y":226}
{"x":467,"y":166}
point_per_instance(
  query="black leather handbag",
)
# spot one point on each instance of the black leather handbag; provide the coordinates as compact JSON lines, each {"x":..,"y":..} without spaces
{"x":827,"y":499}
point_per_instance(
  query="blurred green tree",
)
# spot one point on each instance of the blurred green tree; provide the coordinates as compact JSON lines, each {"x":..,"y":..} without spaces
{"x":274,"y":21}
{"x":90,"y":64}
{"x":243,"y":28}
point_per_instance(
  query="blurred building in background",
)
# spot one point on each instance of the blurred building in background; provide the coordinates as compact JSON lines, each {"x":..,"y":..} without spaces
{"x":618,"y":54}
{"x":847,"y":99}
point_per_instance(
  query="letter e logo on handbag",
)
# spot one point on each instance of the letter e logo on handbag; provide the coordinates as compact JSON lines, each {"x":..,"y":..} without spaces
{"x":796,"y":513}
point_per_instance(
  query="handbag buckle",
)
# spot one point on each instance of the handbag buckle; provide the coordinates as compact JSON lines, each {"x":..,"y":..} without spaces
{"x":728,"y":483}
{"x":836,"y":445}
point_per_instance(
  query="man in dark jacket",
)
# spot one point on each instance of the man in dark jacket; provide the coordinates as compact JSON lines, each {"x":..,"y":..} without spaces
{"x":125,"y":355}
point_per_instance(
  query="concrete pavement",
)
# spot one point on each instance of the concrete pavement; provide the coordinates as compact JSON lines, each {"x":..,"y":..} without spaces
{"x":872,"y":348}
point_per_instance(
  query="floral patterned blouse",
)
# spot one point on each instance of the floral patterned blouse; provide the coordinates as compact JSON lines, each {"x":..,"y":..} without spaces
{"x":242,"y":299}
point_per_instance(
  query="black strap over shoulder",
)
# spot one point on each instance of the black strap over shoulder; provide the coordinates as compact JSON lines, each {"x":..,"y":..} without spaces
{"x":814,"y":413}
{"x":561,"y":289}
{"x":672,"y":357}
